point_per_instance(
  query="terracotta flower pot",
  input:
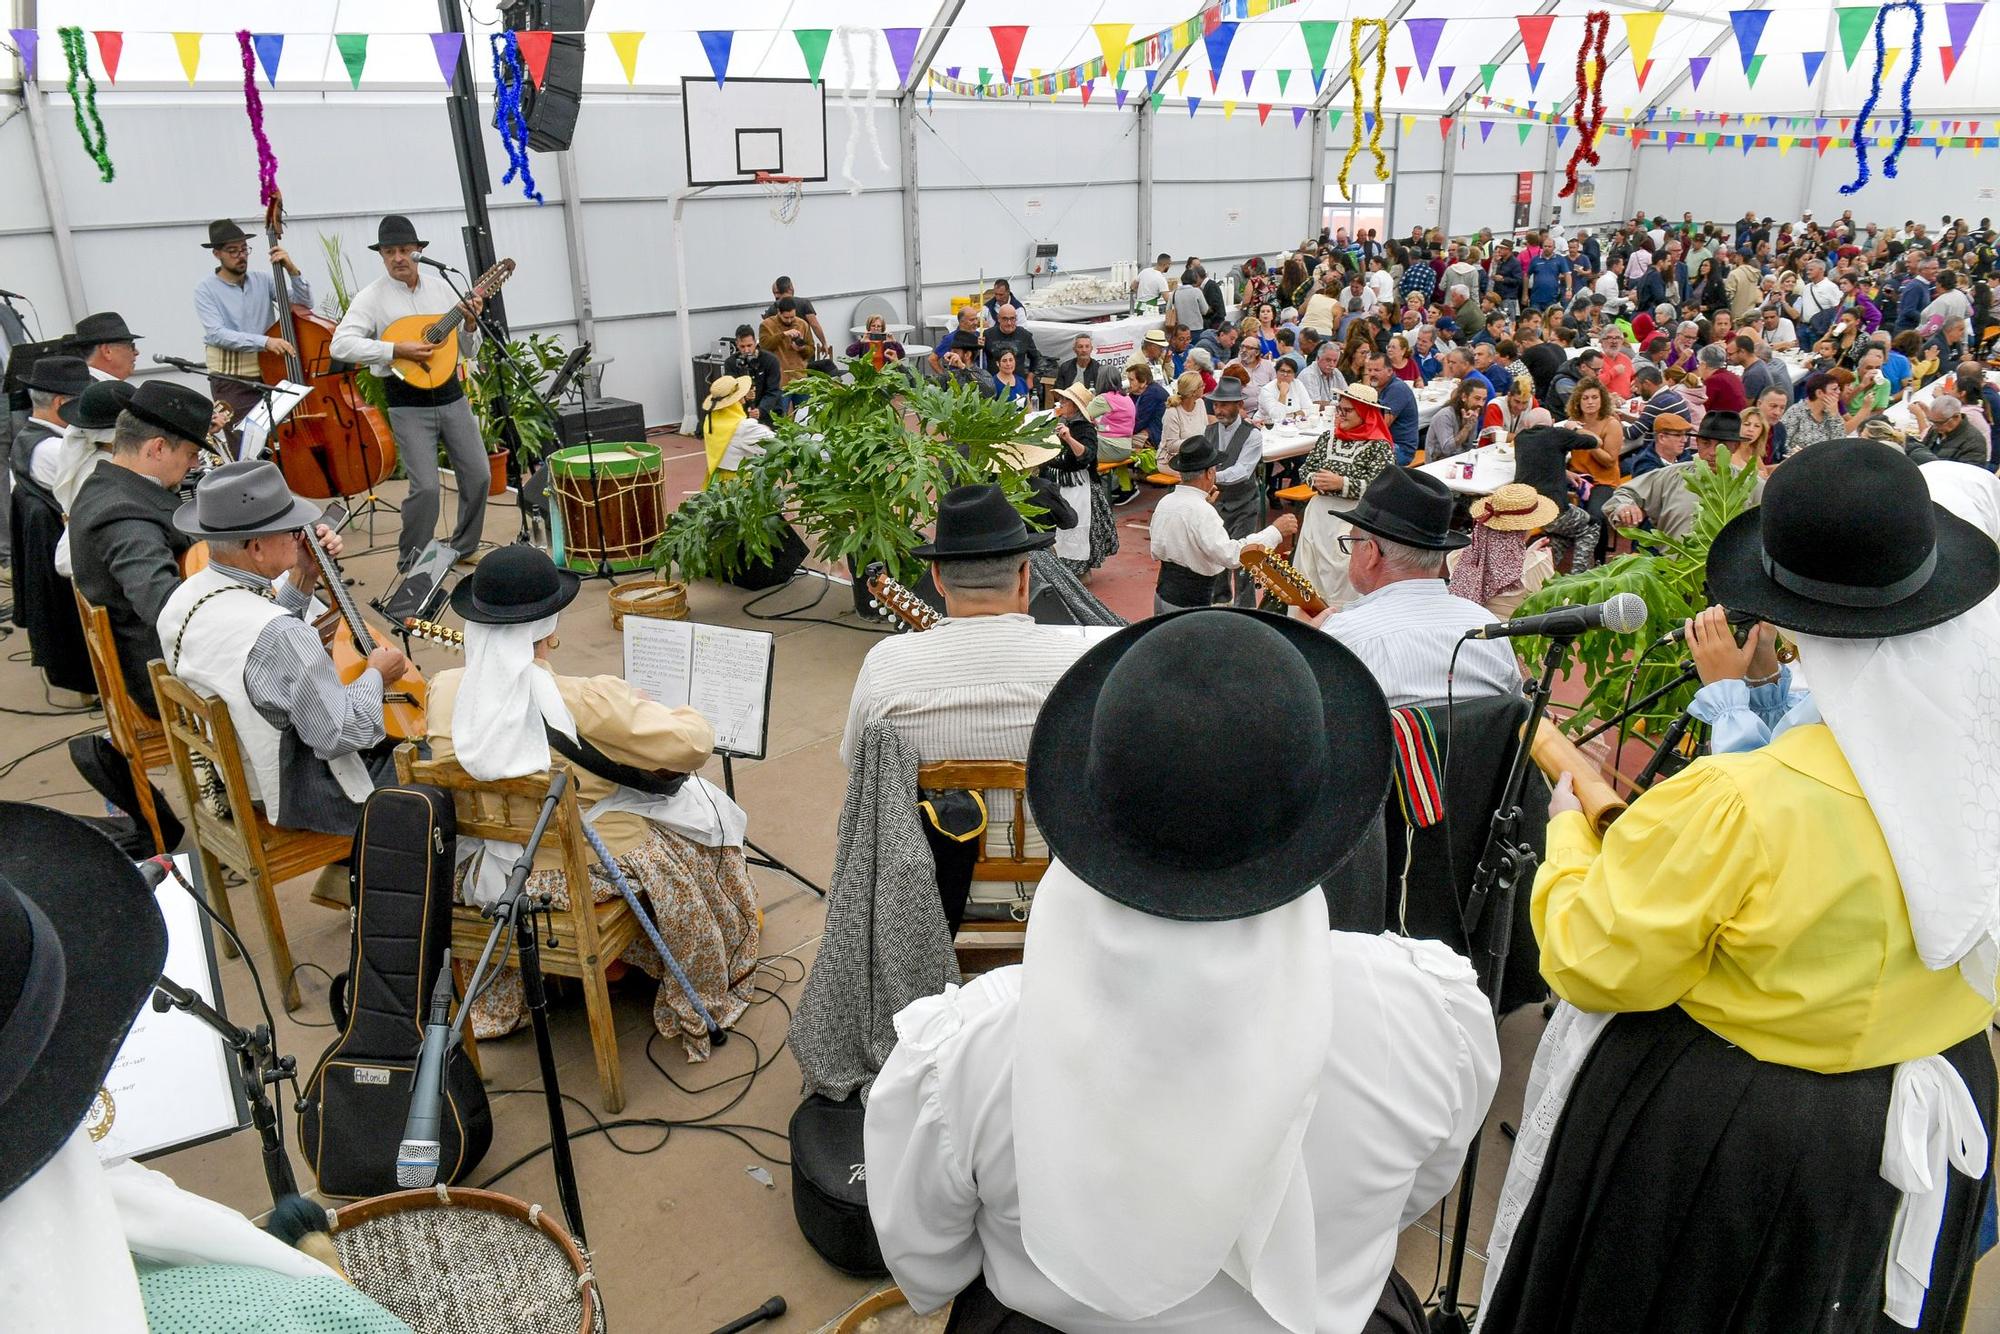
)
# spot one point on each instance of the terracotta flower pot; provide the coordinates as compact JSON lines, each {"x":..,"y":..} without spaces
{"x":498,"y":460}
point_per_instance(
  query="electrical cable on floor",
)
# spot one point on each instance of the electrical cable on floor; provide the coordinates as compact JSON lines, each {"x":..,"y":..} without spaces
{"x":293,"y":981}
{"x":7,"y":769}
{"x":797,"y":614}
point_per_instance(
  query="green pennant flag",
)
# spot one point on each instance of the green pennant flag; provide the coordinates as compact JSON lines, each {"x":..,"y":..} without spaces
{"x":1284,"y":77}
{"x":1855,"y":23}
{"x":985,"y":76}
{"x":812,"y":45}
{"x":353,"y":52}
{"x":1523,"y":129}
{"x":1332,"y":120}
{"x":1157,"y":99}
{"x":1318,"y":34}
{"x":1486,"y":73}
{"x":1753,"y":69}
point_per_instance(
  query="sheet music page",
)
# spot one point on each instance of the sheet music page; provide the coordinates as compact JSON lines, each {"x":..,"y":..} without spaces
{"x":659,"y":657}
{"x":729,"y":684}
{"x":173,"y":1082}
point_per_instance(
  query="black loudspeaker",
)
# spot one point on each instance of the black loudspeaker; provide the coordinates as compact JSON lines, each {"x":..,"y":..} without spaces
{"x":551,"y":110}
{"x":608,"y":419}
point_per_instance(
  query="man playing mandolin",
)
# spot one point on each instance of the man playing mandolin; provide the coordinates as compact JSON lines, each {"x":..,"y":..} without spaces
{"x":420,"y":418}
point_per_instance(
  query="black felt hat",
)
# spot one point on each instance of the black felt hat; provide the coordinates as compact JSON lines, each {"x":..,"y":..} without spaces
{"x":1198,"y":454}
{"x":1410,"y":507}
{"x":222,"y":232}
{"x":81,"y":944}
{"x":104,"y":327}
{"x":183,"y":413}
{"x":59,"y":375}
{"x":1849,"y":545}
{"x":97,"y":407}
{"x":1155,"y":818}
{"x":1721,"y":425}
{"x":979,"y":521}
{"x":515,"y":585}
{"x":396,"y":229}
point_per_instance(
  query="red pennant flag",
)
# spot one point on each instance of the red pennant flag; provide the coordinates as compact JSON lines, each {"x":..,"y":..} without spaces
{"x":535,"y":53}
{"x":1950,"y":60}
{"x":1534,"y":32}
{"x":1644,"y":70}
{"x":1214,"y":80}
{"x":1444,"y":126}
{"x":110,"y":46}
{"x":1402,"y":77}
{"x":1007,"y":41}
{"x":1844,"y":123}
{"x":1822,"y":142}
{"x":1087,"y":86}
{"x":1263,"y":112}
{"x":1975,"y":127}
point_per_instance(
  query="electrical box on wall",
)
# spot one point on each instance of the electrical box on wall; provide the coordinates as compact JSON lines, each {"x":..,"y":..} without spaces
{"x":1041,"y":259}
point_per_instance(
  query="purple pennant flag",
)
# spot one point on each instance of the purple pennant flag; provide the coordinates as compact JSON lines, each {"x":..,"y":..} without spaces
{"x":1562,"y":133}
{"x":1217,"y":41}
{"x":1444,"y":77}
{"x":1485,"y":130}
{"x":1697,"y":67}
{"x":26,"y":40}
{"x":1959,"y":18}
{"x":1248,"y":76}
{"x":1749,"y":25}
{"x":1298,"y":115}
{"x":1819,"y":122}
{"x":445,"y":45}
{"x":1424,"y":34}
{"x":716,"y":42}
{"x":951,"y":71}
{"x":1121,"y":99}
{"x":903,"y":50}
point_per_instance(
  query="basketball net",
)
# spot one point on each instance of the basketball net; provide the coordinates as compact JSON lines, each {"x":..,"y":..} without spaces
{"x":786,"y":194}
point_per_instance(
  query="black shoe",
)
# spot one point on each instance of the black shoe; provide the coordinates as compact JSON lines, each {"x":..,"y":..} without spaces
{"x":101,"y":766}
{"x":1125,"y":497}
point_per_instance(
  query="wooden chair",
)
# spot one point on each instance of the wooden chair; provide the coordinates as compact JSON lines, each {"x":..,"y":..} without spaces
{"x":140,"y":739}
{"x":984,"y":945}
{"x":586,"y":937}
{"x":199,"y":726}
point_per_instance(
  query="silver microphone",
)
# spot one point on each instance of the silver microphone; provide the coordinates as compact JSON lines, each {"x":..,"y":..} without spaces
{"x":1621,"y":614}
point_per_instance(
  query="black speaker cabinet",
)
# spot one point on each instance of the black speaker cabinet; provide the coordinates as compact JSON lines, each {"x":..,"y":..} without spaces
{"x":608,"y":420}
{"x":551,"y":110}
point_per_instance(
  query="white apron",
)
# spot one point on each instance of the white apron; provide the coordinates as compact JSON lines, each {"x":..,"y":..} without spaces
{"x":1317,"y":554}
{"x":1073,"y":542}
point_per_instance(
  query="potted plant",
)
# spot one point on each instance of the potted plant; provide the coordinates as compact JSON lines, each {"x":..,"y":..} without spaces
{"x":511,"y":375}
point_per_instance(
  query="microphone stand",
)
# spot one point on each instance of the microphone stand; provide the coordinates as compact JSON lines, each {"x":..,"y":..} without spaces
{"x":1504,"y":863}
{"x":257,"y":1067}
{"x":509,"y":432}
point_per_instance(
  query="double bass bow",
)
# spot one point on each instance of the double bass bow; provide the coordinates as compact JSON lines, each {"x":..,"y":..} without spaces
{"x":333,"y":443}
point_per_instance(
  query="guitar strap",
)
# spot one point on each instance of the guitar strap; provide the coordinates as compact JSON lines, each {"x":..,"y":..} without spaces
{"x":594,"y":761}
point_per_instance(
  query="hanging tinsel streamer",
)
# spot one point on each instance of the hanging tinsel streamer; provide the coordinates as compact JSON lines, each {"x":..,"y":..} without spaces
{"x":507,"y":117}
{"x":1587,"y":111}
{"x":79,"y":68}
{"x":1380,"y":27}
{"x":1875,"y":94}
{"x":253,"y":104}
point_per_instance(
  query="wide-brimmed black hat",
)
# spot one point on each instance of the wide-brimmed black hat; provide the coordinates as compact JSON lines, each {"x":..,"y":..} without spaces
{"x":81,"y":944}
{"x":1410,"y":507}
{"x":104,"y":327}
{"x":396,"y":229}
{"x":964,"y":340}
{"x":222,"y":232}
{"x":515,"y":585}
{"x":1219,"y":848}
{"x":979,"y":521}
{"x":1198,"y":454}
{"x":1721,"y":425}
{"x":1849,"y":545}
{"x":242,"y":500}
{"x":98,"y":406}
{"x":59,"y":375}
{"x":183,"y":413}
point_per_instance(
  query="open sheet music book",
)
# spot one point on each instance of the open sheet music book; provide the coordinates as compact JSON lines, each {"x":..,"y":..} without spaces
{"x":723,"y":674}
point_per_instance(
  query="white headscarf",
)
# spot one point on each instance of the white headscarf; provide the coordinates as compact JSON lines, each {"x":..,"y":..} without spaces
{"x":1164,"y":1075}
{"x":497,"y":721}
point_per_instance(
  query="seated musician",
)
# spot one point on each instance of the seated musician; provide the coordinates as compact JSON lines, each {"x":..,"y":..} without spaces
{"x":43,"y":604}
{"x":677,"y":838}
{"x":90,"y":420}
{"x":1190,"y":539}
{"x":1407,"y":622}
{"x":1193,"y":1106}
{"x":313,"y":748}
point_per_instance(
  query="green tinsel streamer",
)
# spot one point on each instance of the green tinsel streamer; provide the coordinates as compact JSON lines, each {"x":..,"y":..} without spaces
{"x":79,"y":65}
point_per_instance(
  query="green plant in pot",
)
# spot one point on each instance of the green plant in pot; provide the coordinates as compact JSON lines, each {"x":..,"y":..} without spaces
{"x":1672,"y":578}
{"x":859,"y":471}
{"x":513,"y":378}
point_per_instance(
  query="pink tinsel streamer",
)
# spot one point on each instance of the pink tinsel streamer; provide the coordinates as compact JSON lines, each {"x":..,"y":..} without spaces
{"x":253,"y":103}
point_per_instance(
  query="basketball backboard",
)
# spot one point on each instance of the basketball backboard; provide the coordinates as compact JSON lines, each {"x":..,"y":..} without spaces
{"x":747,"y":126}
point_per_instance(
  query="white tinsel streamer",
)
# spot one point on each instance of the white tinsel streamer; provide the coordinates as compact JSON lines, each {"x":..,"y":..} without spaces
{"x":864,"y":112}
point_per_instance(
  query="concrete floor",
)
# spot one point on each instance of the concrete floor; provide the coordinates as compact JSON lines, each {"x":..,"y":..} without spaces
{"x":685,"y":1238}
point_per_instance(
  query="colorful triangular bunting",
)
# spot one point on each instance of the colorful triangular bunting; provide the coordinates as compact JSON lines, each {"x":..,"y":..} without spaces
{"x":1855,"y":21}
{"x":27,"y":41}
{"x":1640,"y":30}
{"x":1749,"y":25}
{"x":1318,"y":35}
{"x":1112,"y":39}
{"x":188,"y":46}
{"x":902,"y":50}
{"x":270,"y":48}
{"x":812,"y":46}
{"x":1424,"y":34}
{"x":444,"y":45}
{"x":353,"y":53}
{"x":110,"y":46}
{"x":1007,"y":40}
{"x":535,"y":53}
{"x":1753,"y":69}
{"x":1534,"y":32}
{"x":1697,"y":67}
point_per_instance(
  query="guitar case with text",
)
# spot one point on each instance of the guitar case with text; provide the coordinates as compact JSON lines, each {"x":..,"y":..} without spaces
{"x":358,"y":1096}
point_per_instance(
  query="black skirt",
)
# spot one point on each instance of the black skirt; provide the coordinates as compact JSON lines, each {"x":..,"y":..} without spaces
{"x":1691,"y":1187}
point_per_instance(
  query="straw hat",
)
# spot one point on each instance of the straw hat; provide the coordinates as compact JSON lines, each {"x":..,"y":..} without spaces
{"x":1078,"y":393}
{"x":726,"y":391}
{"x":1361,"y":393}
{"x":1514,"y":508}
{"x":1023,"y":457}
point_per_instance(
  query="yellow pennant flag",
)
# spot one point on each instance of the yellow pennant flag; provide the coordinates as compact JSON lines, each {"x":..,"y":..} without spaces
{"x":1409,"y":123}
{"x":1180,"y":81}
{"x":1228,"y":110}
{"x":189,"y":45}
{"x":626,"y":44}
{"x":1784,"y":144}
{"x":1895,"y":54}
{"x":1112,"y":39}
{"x":1640,"y":30}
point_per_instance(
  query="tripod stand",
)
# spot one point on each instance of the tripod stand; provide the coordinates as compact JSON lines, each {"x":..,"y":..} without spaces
{"x":753,"y":854}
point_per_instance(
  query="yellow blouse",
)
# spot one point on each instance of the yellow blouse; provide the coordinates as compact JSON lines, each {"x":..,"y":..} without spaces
{"x":1754,"y":890}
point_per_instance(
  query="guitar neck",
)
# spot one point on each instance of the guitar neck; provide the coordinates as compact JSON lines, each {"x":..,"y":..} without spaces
{"x":907,"y":607}
{"x":329,"y":574}
{"x":489,"y":283}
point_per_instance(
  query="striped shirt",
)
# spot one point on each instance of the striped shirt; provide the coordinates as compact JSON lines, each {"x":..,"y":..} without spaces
{"x":1405,"y":632}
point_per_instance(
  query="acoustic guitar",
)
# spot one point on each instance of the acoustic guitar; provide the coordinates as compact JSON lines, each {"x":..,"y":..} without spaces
{"x":441,"y":332}
{"x":403,"y":704}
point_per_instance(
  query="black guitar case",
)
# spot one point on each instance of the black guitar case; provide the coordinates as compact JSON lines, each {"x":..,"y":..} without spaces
{"x":359,"y":1094}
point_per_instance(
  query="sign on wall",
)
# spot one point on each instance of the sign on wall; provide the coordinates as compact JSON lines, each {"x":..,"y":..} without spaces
{"x":1524,"y":197}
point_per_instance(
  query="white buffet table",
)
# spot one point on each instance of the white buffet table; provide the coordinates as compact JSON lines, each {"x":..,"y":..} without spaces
{"x":1490,"y":466}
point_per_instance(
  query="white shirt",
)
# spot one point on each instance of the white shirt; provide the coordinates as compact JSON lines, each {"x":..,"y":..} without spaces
{"x":45,"y":459}
{"x":1405,"y":633}
{"x":1383,"y":286}
{"x":1408,"y":1077}
{"x":1783,"y":338}
{"x":1607,"y":283}
{"x":1187,"y":531}
{"x":1152,"y":285}
{"x":1815,"y":297}
{"x":381,"y":303}
{"x":1273,"y":409}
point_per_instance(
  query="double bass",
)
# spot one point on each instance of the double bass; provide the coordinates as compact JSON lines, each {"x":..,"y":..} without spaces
{"x":333,"y":443}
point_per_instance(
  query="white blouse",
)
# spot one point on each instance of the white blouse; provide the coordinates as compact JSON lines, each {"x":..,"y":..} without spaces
{"x":1272,"y":410}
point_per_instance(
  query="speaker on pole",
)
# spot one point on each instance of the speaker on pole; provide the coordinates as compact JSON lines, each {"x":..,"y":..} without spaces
{"x":551,"y":110}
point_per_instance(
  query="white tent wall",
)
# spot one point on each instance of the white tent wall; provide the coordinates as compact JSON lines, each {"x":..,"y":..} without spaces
{"x":1485,"y":176}
{"x":1722,"y":183}
{"x":1207,"y":167}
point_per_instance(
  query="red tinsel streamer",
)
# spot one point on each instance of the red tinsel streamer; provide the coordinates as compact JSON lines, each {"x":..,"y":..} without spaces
{"x":1587,"y":112}
{"x":253,"y":103}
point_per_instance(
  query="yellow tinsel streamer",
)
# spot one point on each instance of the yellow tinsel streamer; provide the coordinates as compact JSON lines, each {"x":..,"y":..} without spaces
{"x":1381,"y":29}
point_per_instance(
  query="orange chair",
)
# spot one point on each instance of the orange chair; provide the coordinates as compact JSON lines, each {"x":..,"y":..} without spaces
{"x":140,"y":739}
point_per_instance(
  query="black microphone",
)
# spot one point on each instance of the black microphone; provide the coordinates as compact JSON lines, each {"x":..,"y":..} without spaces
{"x":12,"y":296}
{"x":1739,"y":621}
{"x":417,"y":1156}
{"x":770,"y":1310}
{"x":437,"y":264}
{"x":179,"y":363}
{"x":1623,"y":614}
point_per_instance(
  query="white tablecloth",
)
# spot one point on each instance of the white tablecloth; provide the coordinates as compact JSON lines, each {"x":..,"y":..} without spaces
{"x":1906,"y":421}
{"x":1089,"y":310}
{"x":1492,"y":468}
{"x":1055,"y":339}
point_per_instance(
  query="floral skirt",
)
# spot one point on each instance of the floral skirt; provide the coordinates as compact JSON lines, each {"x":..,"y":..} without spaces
{"x":705,"y":906}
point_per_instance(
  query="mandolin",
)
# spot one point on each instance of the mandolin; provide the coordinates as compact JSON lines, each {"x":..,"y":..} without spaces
{"x":433,"y":633}
{"x":1276,"y":576}
{"x":892,"y":597}
{"x":441,"y":332}
{"x":403,"y":713}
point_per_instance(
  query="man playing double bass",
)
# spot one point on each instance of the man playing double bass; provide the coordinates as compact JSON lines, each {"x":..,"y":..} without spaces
{"x":236,"y":306}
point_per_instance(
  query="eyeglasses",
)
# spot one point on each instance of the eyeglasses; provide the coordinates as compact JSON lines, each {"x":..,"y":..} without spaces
{"x":238,"y":249}
{"x":1348,"y":542}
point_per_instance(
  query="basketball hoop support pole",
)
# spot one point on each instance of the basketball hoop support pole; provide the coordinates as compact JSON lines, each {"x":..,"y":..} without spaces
{"x":690,"y":407}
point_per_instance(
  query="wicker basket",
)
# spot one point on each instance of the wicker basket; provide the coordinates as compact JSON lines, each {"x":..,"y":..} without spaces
{"x":662,"y":600}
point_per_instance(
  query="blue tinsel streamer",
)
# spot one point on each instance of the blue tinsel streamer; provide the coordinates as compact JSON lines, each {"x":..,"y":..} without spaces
{"x":1875,"y":93}
{"x":507,"y":117}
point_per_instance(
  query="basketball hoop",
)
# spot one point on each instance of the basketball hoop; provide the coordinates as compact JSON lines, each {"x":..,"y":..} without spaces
{"x":786,"y":194}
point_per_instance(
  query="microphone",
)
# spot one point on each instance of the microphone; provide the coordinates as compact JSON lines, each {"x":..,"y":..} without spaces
{"x":179,"y":363}
{"x":154,"y":871}
{"x":1739,"y":621}
{"x":1623,"y":614}
{"x":437,"y":264}
{"x":12,"y":296}
{"x":417,"y":1156}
